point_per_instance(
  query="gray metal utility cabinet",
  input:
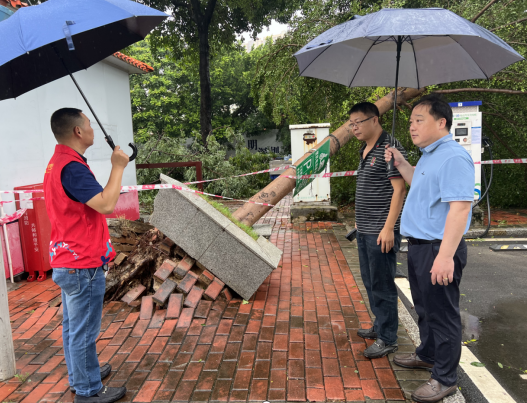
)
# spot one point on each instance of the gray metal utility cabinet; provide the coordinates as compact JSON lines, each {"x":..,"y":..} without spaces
{"x":209,"y":237}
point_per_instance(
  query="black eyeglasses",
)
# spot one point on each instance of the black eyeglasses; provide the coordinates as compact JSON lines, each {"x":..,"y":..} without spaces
{"x":359,"y":124}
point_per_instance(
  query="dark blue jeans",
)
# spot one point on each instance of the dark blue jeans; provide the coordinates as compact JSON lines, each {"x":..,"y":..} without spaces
{"x":82,"y":299}
{"x":378,"y":273}
{"x":437,"y":307}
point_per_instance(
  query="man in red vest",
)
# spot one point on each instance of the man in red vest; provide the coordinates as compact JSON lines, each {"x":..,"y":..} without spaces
{"x":80,"y":248}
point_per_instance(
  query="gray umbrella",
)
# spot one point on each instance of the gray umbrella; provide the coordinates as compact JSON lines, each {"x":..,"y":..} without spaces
{"x":409,"y":47}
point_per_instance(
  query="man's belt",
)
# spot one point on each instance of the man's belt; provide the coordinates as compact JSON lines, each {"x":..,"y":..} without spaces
{"x":415,"y":241}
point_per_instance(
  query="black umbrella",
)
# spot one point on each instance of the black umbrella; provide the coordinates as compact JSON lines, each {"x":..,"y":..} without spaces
{"x":431,"y":46}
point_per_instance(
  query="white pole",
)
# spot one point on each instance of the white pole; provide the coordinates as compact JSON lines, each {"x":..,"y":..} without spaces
{"x":8,"y":250}
{"x":7,"y":349}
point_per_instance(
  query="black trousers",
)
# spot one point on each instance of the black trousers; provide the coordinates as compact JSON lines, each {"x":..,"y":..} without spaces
{"x":438,"y":309}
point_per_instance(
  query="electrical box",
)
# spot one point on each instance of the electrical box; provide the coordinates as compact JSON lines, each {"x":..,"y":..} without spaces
{"x":303,"y":139}
{"x":466,"y":130}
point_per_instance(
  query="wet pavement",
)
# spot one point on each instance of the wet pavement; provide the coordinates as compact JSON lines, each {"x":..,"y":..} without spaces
{"x":494,"y":313}
{"x":294,"y":340}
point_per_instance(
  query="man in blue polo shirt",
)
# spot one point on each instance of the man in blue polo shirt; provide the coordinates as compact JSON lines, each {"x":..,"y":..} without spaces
{"x":434,"y":219}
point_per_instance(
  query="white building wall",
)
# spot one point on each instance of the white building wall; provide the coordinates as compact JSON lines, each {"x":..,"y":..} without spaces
{"x":26,"y":140}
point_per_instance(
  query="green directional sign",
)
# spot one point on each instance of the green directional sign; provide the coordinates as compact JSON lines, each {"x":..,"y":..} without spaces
{"x":314,"y":164}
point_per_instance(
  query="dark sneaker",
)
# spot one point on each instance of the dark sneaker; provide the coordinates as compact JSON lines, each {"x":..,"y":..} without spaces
{"x":105,"y":395}
{"x":432,"y":391}
{"x":411,"y":361}
{"x":380,"y":349}
{"x":367,"y":333}
{"x":105,"y":371}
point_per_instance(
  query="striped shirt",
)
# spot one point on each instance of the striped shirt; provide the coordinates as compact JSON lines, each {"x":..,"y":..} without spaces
{"x":374,"y":188}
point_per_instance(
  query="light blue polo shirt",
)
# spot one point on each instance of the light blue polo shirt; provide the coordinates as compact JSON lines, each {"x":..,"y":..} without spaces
{"x":444,"y":173}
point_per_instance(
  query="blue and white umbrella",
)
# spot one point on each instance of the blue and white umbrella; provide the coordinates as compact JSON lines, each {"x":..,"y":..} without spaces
{"x":43,"y":43}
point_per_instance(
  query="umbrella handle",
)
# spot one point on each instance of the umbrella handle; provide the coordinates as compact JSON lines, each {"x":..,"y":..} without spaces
{"x":110,"y":142}
{"x":134,"y":151}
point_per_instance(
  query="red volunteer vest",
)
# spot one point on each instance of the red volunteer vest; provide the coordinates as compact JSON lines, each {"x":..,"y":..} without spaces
{"x":79,"y":234}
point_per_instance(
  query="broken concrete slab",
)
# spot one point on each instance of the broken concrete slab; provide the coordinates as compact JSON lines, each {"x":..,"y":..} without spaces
{"x":217,"y":244}
{"x":264,"y":230}
{"x":313,"y":211}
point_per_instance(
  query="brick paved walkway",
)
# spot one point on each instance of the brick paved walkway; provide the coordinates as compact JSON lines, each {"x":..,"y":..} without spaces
{"x":295,"y":340}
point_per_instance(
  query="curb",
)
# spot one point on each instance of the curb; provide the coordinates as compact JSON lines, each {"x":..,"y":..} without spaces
{"x":507,"y":232}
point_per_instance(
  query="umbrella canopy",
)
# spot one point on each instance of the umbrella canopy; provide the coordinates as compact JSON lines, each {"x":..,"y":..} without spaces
{"x":43,"y":43}
{"x":437,"y":46}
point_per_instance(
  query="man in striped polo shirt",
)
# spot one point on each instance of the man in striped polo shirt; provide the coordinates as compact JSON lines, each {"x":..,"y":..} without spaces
{"x":378,"y":202}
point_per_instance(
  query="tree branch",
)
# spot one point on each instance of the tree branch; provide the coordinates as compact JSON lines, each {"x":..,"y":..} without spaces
{"x":505,"y":6}
{"x":496,"y":90}
{"x":518,"y":43}
{"x":178,"y":4}
{"x":512,"y":123}
{"x":501,"y":141}
{"x":154,"y":147}
{"x":195,"y":12}
{"x":282,"y":79}
{"x":210,"y":11}
{"x":506,"y":25}
{"x":482,"y":11}
{"x":271,"y":55}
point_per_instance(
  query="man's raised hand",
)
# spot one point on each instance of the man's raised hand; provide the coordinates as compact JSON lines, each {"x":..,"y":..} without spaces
{"x":392,"y":152}
{"x":119,"y":158}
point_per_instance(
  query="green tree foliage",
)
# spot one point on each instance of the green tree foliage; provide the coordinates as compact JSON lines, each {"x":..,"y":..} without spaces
{"x":166,"y":101}
{"x":201,"y":28}
{"x":165,"y":112}
{"x":284,"y":96}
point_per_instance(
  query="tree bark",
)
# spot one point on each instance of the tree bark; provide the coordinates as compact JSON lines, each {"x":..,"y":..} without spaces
{"x":250,"y":213}
{"x":205,"y":117}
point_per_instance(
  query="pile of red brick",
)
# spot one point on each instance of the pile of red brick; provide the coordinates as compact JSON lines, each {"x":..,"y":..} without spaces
{"x":181,"y":285}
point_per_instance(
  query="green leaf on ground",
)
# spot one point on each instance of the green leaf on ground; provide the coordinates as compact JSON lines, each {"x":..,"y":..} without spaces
{"x":500,"y":365}
{"x":245,"y":302}
{"x":399,"y":263}
{"x":477,"y":364}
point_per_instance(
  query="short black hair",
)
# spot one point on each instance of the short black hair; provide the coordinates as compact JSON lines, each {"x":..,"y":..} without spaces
{"x":64,"y":120}
{"x":367,"y":108}
{"x":437,"y":107}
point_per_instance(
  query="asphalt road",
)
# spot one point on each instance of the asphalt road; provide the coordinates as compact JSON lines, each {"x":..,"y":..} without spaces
{"x":494,"y":312}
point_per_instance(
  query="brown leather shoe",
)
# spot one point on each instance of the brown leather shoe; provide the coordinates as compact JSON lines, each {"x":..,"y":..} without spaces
{"x":432,"y":391}
{"x":411,"y":361}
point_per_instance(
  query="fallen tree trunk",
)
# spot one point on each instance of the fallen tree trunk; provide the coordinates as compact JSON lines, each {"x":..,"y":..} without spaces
{"x":144,"y":257}
{"x":250,"y":213}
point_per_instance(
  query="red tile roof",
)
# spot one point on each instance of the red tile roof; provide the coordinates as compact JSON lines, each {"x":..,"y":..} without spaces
{"x":15,"y":3}
{"x":130,"y":60}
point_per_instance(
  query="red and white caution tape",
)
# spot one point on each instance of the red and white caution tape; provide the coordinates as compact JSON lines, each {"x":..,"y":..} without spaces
{"x":22,"y":191}
{"x":238,"y":176}
{"x":166,"y":186}
{"x":497,"y":162}
{"x":12,"y":201}
{"x":326,"y":175}
{"x":322,"y":175}
{"x":12,"y":217}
